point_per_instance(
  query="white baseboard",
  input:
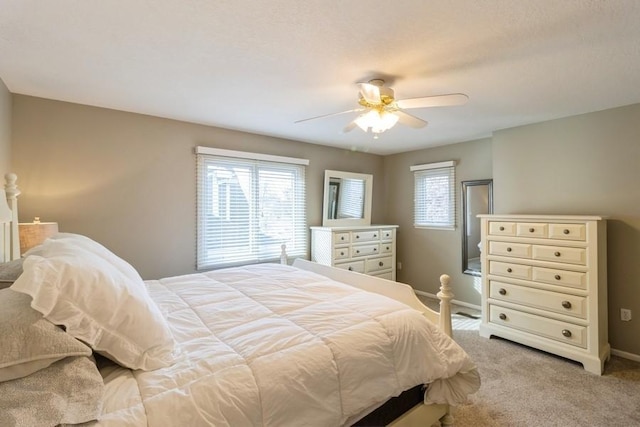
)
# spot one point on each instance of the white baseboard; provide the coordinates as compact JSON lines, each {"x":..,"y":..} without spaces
{"x":456,"y":302}
{"x":625,"y":355}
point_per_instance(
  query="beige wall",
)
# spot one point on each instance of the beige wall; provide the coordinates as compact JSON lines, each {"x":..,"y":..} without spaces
{"x":5,"y":129}
{"x":128,"y":180}
{"x":426,"y":254}
{"x":587,"y":164}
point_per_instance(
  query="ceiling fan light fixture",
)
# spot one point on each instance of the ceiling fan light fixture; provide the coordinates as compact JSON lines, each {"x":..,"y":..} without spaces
{"x":377,"y":121}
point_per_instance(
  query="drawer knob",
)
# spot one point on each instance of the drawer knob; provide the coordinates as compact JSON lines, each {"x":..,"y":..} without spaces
{"x":502,"y":291}
{"x":381,"y":264}
{"x":502,"y":316}
{"x":358,"y":251}
{"x":350,"y":268}
{"x":566,"y":333}
{"x":565,"y":231}
{"x":501,"y":228}
{"x":558,"y":277}
{"x":508,"y":249}
{"x":388,"y":248}
{"x":566,"y":304}
{"x":531,"y":230}
{"x":375,"y":235}
{"x":556,"y":253}
{"x":341,"y":253}
{"x":375,"y":249}
{"x":357,"y":236}
{"x":342,"y":238}
{"x":509,"y":270}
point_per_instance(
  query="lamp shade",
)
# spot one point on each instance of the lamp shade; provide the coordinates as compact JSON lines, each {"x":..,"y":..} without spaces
{"x":34,"y":233}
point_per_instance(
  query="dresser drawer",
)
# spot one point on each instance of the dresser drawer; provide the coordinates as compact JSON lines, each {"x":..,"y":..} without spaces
{"x":532,"y":229}
{"x":365,"y":236}
{"x":549,"y":328}
{"x":386,"y":275}
{"x":572,"y":279}
{"x":342,"y":238}
{"x":518,"y":250}
{"x":364,"y":250}
{"x":510,"y":270}
{"x":576,"y":232}
{"x":341,"y":253}
{"x":378,"y":264}
{"x":572,"y":305}
{"x":386,"y":248}
{"x":560,"y":254}
{"x":499,"y":228}
{"x":386,"y":235}
{"x":357,"y":266}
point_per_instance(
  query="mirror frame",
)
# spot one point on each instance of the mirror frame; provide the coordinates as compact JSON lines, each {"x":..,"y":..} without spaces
{"x":368,"y":193}
{"x":465,"y":188}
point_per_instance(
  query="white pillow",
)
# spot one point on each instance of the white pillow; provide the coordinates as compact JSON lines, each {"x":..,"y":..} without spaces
{"x":97,"y":304}
{"x":93,"y":247}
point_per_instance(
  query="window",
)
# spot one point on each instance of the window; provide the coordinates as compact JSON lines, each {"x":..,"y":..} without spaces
{"x":434,"y":195}
{"x":248,"y":205}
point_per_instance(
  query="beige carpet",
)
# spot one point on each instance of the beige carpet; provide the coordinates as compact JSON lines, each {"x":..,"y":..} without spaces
{"x":522,"y":386}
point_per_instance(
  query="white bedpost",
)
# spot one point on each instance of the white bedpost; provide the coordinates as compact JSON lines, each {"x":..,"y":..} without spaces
{"x":284,"y":259}
{"x":12,"y":191}
{"x":445,"y":295}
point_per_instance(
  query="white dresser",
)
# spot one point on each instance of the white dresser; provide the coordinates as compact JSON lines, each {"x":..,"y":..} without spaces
{"x":368,"y":249}
{"x":544,"y":284}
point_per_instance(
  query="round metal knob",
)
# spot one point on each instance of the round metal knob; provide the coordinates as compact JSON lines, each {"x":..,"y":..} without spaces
{"x":388,"y":248}
{"x":566,"y":304}
{"x":350,"y":268}
{"x":531,"y":230}
{"x":566,"y":333}
{"x":501,"y":228}
{"x":381,"y":264}
{"x":375,"y":235}
{"x":342,"y":238}
{"x":502,"y":291}
{"x":358,"y":251}
{"x":556,"y":253}
{"x":508,"y":249}
{"x":502,"y":316}
{"x":341,"y":253}
{"x":375,"y":249}
{"x":509,"y":270}
{"x":357,"y":236}
{"x":557,"y":277}
{"x":565,"y":231}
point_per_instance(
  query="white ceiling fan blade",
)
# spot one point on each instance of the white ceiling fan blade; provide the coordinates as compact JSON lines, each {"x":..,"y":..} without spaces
{"x":348,"y":128}
{"x":329,"y":115}
{"x":370,"y":93}
{"x":434,"y":101}
{"x":409,"y":120}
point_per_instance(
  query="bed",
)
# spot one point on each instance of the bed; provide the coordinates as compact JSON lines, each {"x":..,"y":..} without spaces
{"x":267,"y":344}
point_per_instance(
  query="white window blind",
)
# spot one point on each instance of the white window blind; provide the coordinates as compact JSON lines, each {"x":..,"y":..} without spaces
{"x":247,"y":208}
{"x":434,"y":195}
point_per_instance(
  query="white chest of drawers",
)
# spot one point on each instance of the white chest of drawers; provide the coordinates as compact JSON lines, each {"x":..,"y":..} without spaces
{"x":367,"y":249}
{"x":544,"y":284}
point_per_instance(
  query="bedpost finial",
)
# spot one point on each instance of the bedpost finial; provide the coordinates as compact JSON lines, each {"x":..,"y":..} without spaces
{"x":445,"y":279}
{"x":10,"y":185}
{"x":10,"y":177}
{"x":283,"y":255}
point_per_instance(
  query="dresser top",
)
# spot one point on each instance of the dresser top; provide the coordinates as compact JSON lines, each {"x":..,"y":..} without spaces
{"x":354,"y":227}
{"x":544,"y":217}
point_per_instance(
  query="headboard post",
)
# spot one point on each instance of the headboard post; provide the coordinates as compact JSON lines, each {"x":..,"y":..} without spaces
{"x":12,"y":191}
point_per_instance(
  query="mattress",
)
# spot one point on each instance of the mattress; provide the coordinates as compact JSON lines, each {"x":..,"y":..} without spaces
{"x":274,"y":345}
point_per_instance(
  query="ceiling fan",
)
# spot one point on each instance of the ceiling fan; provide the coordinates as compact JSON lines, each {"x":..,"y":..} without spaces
{"x":380,"y":111}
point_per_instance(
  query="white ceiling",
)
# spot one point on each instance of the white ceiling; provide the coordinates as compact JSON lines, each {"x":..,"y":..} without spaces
{"x":258,"y":66}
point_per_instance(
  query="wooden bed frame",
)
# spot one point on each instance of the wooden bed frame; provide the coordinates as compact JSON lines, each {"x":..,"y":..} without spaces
{"x":421,"y":415}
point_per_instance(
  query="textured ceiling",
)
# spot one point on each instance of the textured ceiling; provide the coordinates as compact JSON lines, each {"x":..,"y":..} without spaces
{"x":258,"y":66}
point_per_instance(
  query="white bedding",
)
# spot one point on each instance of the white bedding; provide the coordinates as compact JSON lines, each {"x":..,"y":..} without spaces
{"x":276,"y":346}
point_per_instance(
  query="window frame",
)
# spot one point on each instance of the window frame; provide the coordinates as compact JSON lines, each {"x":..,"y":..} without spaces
{"x":254,"y":165}
{"x":439,"y":170}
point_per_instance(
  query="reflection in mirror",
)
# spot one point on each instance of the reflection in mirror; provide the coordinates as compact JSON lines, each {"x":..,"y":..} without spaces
{"x":477,"y":198}
{"x":347,"y":199}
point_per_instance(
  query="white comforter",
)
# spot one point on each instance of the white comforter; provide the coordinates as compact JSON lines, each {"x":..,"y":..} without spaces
{"x":276,"y":346}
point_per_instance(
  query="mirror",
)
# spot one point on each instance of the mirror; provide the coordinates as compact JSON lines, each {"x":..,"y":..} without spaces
{"x":347,"y":198}
{"x":477,"y":198}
